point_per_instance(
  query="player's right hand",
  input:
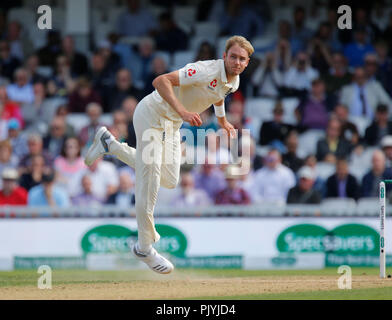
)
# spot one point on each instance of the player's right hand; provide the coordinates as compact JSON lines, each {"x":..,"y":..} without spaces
{"x":192,"y":118}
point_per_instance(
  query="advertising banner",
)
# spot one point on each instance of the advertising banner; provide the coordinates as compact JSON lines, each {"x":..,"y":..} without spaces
{"x":201,"y":242}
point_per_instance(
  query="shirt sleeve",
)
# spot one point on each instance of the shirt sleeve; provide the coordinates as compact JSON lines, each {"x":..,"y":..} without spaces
{"x":193,"y":73}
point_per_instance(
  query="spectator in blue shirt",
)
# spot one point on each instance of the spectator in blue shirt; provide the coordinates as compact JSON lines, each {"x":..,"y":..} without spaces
{"x":241,"y":20}
{"x":378,"y":172}
{"x":47,"y":193}
{"x":136,"y":21}
{"x":356,"y":51}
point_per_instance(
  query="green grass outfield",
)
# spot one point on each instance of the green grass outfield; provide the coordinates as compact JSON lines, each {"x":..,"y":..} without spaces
{"x":20,"y":278}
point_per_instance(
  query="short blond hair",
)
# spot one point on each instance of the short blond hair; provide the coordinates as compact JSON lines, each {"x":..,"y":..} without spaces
{"x":242,"y":42}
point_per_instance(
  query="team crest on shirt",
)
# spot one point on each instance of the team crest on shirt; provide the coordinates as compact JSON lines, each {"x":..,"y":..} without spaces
{"x":213,"y":84}
{"x":190,"y":72}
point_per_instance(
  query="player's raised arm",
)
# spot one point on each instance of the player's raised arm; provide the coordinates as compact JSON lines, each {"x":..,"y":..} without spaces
{"x":219,"y":109}
{"x":164,"y":85}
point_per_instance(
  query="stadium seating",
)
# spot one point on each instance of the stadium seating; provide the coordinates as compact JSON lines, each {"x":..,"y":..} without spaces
{"x":307,"y":142}
{"x":367,"y":207}
{"x":338,"y":207}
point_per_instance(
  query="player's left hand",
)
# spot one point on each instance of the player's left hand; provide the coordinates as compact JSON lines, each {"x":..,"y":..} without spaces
{"x":228,"y":127}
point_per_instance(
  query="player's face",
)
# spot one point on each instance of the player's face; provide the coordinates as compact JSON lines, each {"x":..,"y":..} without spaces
{"x":236,"y":60}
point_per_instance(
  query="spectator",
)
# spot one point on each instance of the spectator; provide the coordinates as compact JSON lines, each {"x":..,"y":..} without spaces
{"x":337,"y":76}
{"x":319,"y":53}
{"x":386,"y":145}
{"x":312,"y":112}
{"x":104,"y":177}
{"x":380,"y":127}
{"x":86,"y":197}
{"x":11,"y":193}
{"x":355,"y":51}
{"x":125,"y":196}
{"x":129,"y":106}
{"x":238,"y":18}
{"x":8,"y":63}
{"x":47,"y":193}
{"x":371,"y":66}
{"x":54,"y":140}
{"x":35,"y":145}
{"x":48,"y":53}
{"x":102,"y":77}
{"x":290,"y":158}
{"x":21,"y":90}
{"x":8,"y":110}
{"x":349,"y":130}
{"x":319,"y":183}
{"x":363,"y":97}
{"x":69,"y":163}
{"x":273,"y":181}
{"x":299,"y":77}
{"x":190,"y":196}
{"x":62,"y":77}
{"x":7,"y":158}
{"x":237,"y":117}
{"x":18,"y":141}
{"x":209,"y":178}
{"x":123,"y":88}
{"x":208,"y":124}
{"x":31,"y":65}
{"x":303,"y":192}
{"x":119,"y":128}
{"x":38,"y":114}
{"x":20,"y":45}
{"x":384,"y":73}
{"x":140,"y":64}
{"x":169,"y":37}
{"x":113,"y":61}
{"x":78,"y":61}
{"x":332,"y":146}
{"x":275,"y":131}
{"x":286,"y":45}
{"x":159,"y":67}
{"x":342,"y":184}
{"x":82,"y":96}
{"x":33,"y":175}
{"x":136,"y":21}
{"x":267,"y":78}
{"x":87,"y":133}
{"x":325,"y":34}
{"x":206,"y":52}
{"x":62,"y":112}
{"x":371,"y":180}
{"x":299,"y":29}
{"x":233,"y":193}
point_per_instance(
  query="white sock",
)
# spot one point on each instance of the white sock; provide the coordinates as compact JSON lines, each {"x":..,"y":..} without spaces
{"x":146,"y":249}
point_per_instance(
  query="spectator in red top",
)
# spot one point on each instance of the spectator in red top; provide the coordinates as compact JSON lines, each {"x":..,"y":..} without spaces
{"x":232,"y":194}
{"x":8,"y":109}
{"x":82,"y":96}
{"x":12,"y":194}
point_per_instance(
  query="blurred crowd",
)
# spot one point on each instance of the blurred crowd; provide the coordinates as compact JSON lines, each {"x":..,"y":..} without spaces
{"x":336,"y":75}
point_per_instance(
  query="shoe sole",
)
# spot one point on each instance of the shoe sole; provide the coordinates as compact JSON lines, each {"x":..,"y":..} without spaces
{"x":89,"y":160}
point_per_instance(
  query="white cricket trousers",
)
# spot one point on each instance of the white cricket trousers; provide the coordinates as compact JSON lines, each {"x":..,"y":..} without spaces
{"x":156,"y":161}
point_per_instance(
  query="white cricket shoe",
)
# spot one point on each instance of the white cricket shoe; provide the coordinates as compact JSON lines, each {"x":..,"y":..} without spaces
{"x":99,"y":147}
{"x":154,"y":260}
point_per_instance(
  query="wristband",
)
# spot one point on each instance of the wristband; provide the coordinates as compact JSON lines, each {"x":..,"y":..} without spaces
{"x":219,"y":110}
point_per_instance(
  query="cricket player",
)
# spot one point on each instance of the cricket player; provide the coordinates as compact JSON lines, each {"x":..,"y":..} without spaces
{"x":179,"y":96}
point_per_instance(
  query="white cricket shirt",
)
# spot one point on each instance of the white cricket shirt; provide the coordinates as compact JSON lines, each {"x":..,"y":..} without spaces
{"x":202,"y":84}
